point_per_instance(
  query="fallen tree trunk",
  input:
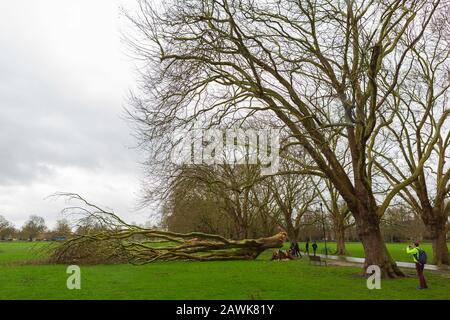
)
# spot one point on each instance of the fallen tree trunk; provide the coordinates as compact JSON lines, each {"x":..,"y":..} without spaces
{"x":119,"y":242}
{"x":116,"y":247}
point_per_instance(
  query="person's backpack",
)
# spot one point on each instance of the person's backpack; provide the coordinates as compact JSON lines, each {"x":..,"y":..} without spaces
{"x":422,"y":257}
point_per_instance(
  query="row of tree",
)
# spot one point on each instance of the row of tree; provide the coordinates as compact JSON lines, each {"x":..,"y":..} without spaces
{"x":33,"y":229}
{"x":236,"y":202}
{"x":359,"y":90}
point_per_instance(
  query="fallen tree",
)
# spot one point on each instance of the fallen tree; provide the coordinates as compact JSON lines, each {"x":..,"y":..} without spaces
{"x":120,"y":242}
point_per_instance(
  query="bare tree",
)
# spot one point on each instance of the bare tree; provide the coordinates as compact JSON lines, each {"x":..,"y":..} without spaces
{"x":338,"y":211}
{"x":3,"y":222}
{"x":401,"y":224}
{"x":231,"y":187}
{"x":421,"y":106}
{"x":192,"y":207}
{"x":62,"y":228}
{"x":293,"y":195}
{"x":34,"y":227}
{"x":321,"y":68}
{"x":335,"y":206}
{"x":6,"y":228}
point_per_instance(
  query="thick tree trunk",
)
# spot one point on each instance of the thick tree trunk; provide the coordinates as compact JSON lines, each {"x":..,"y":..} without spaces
{"x":368,"y":227}
{"x":339,"y":233}
{"x":241,"y":230}
{"x":291,"y":232}
{"x":375,"y":250}
{"x":115,"y":246}
{"x":363,"y":206}
{"x":438,"y":240}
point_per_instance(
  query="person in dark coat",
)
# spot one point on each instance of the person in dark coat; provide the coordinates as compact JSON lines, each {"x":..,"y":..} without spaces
{"x":314,"y":247}
{"x":295,"y":249}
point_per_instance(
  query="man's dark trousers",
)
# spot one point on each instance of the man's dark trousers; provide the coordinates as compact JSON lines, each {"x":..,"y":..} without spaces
{"x":419,"y":269}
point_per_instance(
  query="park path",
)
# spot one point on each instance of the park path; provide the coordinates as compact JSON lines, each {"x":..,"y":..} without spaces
{"x":399,"y":263}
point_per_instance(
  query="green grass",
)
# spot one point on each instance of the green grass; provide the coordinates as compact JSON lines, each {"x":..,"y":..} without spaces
{"x":355,"y":249}
{"x":21,"y":251}
{"x":260,"y":279}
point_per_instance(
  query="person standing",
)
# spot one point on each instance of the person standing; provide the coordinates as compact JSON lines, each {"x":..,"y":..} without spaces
{"x":314,"y":246}
{"x":295,"y":249}
{"x":307,"y":247}
{"x":420,"y":258}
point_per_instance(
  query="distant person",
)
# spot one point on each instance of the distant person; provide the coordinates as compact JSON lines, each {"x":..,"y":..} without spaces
{"x":314,"y":246}
{"x":307,"y":247}
{"x":420,"y":259}
{"x":275,"y":255}
{"x":281,"y":255}
{"x":295,"y":249}
{"x":286,"y":255}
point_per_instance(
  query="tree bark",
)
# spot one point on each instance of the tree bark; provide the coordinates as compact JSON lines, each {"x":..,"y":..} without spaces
{"x":117,"y":246}
{"x":438,"y":235}
{"x":339,"y":233}
{"x":242,"y":231}
{"x":291,"y":231}
{"x":368,"y":228}
{"x":375,"y":250}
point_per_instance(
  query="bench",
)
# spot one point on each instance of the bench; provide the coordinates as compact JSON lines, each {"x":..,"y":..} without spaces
{"x":317,"y":259}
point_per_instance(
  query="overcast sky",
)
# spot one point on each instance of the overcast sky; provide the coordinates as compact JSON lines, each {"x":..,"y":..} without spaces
{"x":64,"y":80}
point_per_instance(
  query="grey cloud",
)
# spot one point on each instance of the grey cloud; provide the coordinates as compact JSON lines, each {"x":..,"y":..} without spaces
{"x":45,"y":122}
{"x":63,"y":82}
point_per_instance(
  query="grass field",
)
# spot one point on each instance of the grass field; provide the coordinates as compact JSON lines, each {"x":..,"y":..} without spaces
{"x":260,"y":279}
{"x":355,"y":249}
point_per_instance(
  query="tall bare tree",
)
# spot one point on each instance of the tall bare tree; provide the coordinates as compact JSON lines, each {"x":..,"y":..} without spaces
{"x":339,"y":213}
{"x":34,"y":227}
{"x":3,"y":222}
{"x":6,"y":228}
{"x":292,"y":195}
{"x":230,"y":187}
{"x":421,"y":106}
{"x":321,"y":68}
{"x":62,"y":228}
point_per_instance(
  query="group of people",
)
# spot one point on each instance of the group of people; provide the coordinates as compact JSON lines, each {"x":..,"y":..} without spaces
{"x":419,"y":257}
{"x":314,"y":247}
{"x":294,"y":251}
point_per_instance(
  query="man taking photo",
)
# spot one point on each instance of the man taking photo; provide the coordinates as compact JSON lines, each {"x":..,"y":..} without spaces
{"x":420,"y":259}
